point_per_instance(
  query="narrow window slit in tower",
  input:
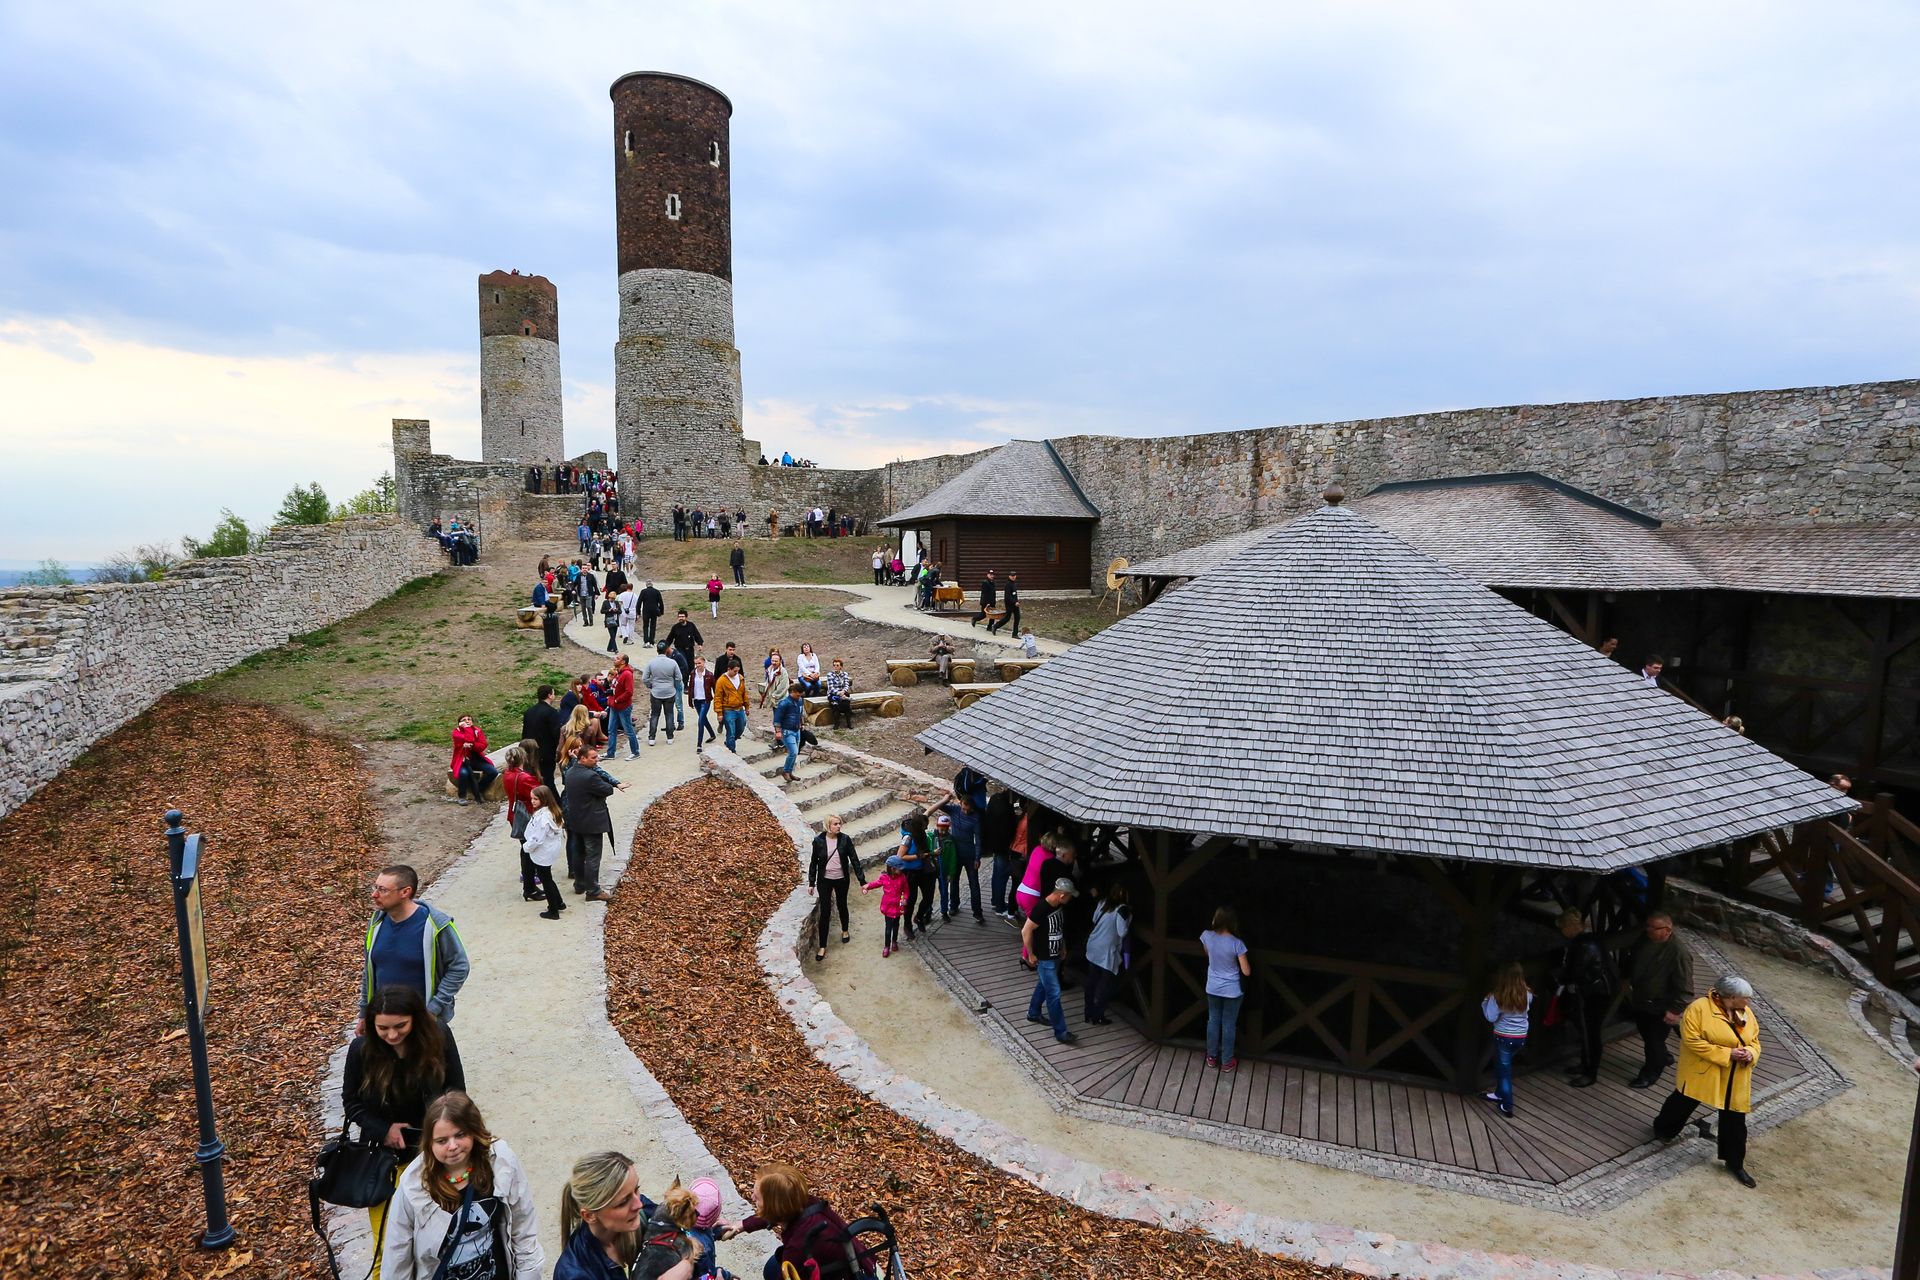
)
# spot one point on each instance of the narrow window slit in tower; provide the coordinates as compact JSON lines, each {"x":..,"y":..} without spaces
{"x":673,"y":208}
{"x":713,"y":154}
{"x":627,"y":143}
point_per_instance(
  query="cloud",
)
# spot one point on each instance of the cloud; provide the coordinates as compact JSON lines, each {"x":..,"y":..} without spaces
{"x":964,"y":220}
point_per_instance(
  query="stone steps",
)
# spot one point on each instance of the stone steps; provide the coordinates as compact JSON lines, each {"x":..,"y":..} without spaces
{"x":870,"y":813}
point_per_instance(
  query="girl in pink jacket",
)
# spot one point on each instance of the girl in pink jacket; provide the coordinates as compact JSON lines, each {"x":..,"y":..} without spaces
{"x":892,"y":884}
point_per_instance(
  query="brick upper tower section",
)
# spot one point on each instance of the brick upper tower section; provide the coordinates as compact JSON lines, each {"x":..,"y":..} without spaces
{"x":518,"y":306}
{"x":670,"y":174}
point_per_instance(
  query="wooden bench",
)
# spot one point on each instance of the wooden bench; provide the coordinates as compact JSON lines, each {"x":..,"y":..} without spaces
{"x":965,"y":695}
{"x":882,"y":702}
{"x":1014,"y":668}
{"x":906,"y":672}
{"x":529,"y":617}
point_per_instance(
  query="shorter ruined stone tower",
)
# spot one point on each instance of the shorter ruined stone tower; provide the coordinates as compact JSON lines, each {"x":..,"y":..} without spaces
{"x":519,"y":369}
{"x":676,"y":370}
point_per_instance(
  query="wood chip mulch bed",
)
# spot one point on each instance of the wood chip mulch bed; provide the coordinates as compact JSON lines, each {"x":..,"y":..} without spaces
{"x":96,"y":1101}
{"x":686,"y":993}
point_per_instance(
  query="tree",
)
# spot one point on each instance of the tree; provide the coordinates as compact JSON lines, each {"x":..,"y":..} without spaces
{"x":51,"y":573}
{"x":148,"y":562}
{"x":305,"y":504}
{"x":230,"y":537}
{"x":368,"y":502}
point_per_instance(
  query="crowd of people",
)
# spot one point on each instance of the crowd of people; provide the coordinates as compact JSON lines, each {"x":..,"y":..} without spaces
{"x":460,"y":539}
{"x":788,"y":460}
{"x":461,"y":1202}
{"x":600,"y":487}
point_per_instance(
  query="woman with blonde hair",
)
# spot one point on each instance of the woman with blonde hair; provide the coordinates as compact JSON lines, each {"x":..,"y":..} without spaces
{"x":601,"y":1212}
{"x":464,"y":1206}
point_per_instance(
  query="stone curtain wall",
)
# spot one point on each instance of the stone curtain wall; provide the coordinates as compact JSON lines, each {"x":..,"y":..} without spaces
{"x":789,"y":490}
{"x":76,"y":663}
{"x":432,"y":486}
{"x":1805,"y":455}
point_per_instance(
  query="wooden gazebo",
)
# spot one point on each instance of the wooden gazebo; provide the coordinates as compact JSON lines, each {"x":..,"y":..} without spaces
{"x":1380,"y":763}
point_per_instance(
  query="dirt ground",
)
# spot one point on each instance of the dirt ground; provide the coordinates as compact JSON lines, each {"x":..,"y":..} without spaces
{"x":393,"y":679}
{"x":1829,"y":1192}
{"x":788,"y":619}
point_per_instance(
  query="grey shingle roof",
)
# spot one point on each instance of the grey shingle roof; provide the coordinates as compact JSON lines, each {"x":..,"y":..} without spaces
{"x":1882,"y":561}
{"x":1020,"y":479}
{"x":1516,"y":532}
{"x":1334,"y":686}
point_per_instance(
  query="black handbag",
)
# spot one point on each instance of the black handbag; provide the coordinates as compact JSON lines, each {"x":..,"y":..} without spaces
{"x":356,"y":1175}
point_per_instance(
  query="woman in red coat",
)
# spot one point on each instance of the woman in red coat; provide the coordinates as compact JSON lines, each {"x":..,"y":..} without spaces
{"x":470,"y":768}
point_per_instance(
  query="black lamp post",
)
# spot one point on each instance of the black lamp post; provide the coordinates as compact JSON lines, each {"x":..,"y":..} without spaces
{"x":183,"y":856}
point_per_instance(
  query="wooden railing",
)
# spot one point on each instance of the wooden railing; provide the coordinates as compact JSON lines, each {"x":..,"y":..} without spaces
{"x":1874,"y":869}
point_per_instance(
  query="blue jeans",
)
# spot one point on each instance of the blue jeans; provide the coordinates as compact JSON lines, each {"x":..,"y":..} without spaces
{"x":1223,"y":1018}
{"x":970,"y":868}
{"x":1505,"y":1050}
{"x":949,"y":893}
{"x":704,"y":730}
{"x":1002,"y":882}
{"x":619,"y":718}
{"x":735,"y":723}
{"x":1048,"y":989}
{"x":792,"y":738}
{"x":476,"y":774}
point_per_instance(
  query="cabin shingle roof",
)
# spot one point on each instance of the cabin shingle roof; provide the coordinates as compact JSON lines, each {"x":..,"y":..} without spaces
{"x":1022,"y":479}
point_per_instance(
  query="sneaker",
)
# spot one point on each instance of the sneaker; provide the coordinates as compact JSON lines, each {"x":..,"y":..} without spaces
{"x":1213,"y":1061}
{"x":1068,"y":1038}
{"x":885,"y":952}
{"x":1506,"y":1113}
{"x":1041,"y":1021}
{"x":464,"y":802}
{"x":1491,"y":1097}
{"x":1230,"y":1064}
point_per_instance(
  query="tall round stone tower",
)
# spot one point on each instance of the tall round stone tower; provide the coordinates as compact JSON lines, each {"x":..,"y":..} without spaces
{"x":519,"y":369}
{"x":676,"y":370}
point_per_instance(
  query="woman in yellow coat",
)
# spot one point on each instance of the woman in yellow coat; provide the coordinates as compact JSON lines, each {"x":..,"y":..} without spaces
{"x":1719,"y":1043}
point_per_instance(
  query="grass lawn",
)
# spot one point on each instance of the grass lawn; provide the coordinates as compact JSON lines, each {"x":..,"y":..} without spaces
{"x":815,"y":560}
{"x":410,"y":666}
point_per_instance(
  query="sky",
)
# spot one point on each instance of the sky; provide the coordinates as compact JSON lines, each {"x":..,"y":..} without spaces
{"x":238,"y":240}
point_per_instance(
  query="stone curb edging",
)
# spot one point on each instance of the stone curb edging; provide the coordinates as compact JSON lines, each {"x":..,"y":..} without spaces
{"x":1101,"y":1190}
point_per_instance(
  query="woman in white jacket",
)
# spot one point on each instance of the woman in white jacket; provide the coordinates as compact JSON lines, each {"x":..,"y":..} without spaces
{"x":466,"y":1199}
{"x":546,"y":840}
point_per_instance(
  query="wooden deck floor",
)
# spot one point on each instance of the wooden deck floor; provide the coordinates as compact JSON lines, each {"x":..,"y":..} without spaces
{"x":1559,"y":1134}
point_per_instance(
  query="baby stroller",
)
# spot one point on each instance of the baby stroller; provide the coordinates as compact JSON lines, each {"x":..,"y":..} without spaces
{"x":896,"y":577}
{"x":873,"y":1253}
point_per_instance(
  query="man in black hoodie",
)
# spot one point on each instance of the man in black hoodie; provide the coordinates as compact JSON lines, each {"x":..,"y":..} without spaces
{"x":989,"y":596}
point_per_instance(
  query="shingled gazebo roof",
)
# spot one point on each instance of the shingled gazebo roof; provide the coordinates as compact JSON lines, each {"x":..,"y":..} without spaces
{"x":1332,"y":686}
{"x":1022,"y":480}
